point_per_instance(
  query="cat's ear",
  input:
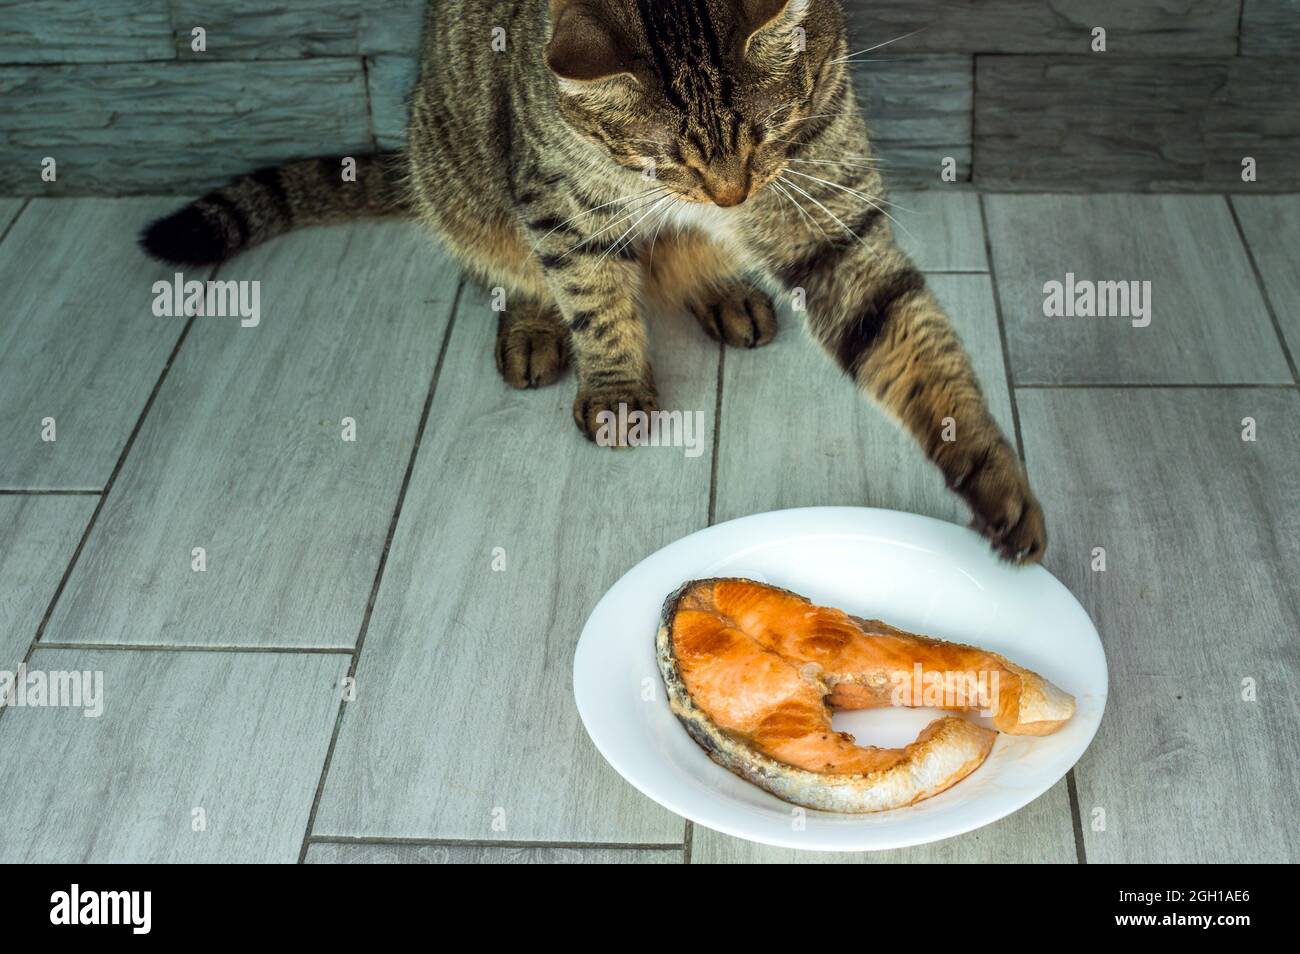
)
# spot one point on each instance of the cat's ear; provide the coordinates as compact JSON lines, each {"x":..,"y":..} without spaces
{"x":769,"y":16}
{"x":582,"y":47}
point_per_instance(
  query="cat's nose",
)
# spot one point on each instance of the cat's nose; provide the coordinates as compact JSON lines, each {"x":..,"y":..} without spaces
{"x":727,"y":179}
{"x":727,"y":192}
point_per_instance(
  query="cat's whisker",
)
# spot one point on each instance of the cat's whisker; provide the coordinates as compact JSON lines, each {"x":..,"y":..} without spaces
{"x":776,"y":187}
{"x":784,"y":194}
{"x":629,"y":236}
{"x":850,"y":165}
{"x":778,"y":109}
{"x":854,"y":192}
{"x":871,"y":59}
{"x":812,"y":199}
{"x":659,"y":224}
{"x":849,"y":56}
{"x":863,"y":197}
{"x":620,"y":199}
{"x":835,"y":162}
{"x":835,"y":217}
{"x":805,"y":213}
{"x":894,"y":205}
{"x":631,"y":229}
{"x":796,"y":142}
{"x":798,"y":208}
{"x":647,"y":199}
{"x":804,"y":119}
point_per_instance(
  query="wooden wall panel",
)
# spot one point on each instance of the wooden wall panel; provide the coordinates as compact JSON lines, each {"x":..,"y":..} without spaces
{"x":38,"y":31}
{"x":1199,"y":27}
{"x":1085,"y":123}
{"x":172,"y":127}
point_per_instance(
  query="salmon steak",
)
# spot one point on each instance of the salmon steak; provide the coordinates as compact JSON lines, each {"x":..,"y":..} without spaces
{"x":754,"y":672}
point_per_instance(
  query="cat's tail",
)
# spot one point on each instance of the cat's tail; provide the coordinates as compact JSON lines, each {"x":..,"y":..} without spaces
{"x":269,"y":202}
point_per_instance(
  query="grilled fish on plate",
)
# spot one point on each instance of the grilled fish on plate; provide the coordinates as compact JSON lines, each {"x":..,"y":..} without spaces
{"x":753,"y":672}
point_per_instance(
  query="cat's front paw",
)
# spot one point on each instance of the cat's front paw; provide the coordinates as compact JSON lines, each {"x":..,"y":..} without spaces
{"x":531,"y":352}
{"x":1004,"y":509}
{"x":608,"y":415}
{"x":736,"y":314}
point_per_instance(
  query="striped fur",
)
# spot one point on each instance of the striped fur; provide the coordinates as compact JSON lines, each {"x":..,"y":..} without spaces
{"x":618,"y":150}
{"x":271,"y":201}
{"x":869,"y":308}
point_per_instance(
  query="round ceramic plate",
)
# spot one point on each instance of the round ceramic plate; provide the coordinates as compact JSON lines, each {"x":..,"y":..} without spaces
{"x":913,"y":572}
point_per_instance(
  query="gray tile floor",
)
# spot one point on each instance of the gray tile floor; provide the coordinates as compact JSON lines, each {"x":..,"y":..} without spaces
{"x":373,"y":663}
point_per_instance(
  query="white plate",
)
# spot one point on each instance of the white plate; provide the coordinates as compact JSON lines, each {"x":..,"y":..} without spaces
{"x":913,"y":572}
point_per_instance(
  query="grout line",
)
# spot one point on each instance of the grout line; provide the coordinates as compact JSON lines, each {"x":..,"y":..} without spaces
{"x":974,"y":115}
{"x":1241,"y":16}
{"x":1148,"y":387}
{"x":51,"y":493}
{"x":1002,"y":331}
{"x":717,"y":437}
{"x":1008,"y":192}
{"x":689,"y":828}
{"x":175,"y":29}
{"x":370,"y":106}
{"x":112,"y":479}
{"x":1076,"y":820}
{"x":161,"y":648}
{"x":4,"y":233}
{"x":1263,"y":290}
{"x":55,"y":64}
{"x":485,"y":843}
{"x":688,"y":836}
{"x":383,"y":563}
{"x":1080,"y":855}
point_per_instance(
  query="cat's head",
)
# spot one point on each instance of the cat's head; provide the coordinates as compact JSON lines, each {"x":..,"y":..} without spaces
{"x":707,"y":96}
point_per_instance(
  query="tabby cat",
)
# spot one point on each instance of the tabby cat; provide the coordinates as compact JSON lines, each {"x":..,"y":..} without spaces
{"x":554,"y":143}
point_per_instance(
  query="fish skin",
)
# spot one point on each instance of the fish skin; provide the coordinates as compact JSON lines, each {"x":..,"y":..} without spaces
{"x":944,"y":753}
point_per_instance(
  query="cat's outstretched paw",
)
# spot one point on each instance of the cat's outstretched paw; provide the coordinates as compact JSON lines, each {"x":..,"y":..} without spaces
{"x":532,"y":350}
{"x":736,"y":314}
{"x":1004,"y":508}
{"x":605,"y":414}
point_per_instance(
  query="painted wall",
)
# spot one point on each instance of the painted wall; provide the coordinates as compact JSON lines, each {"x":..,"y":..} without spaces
{"x":1011,"y":90}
